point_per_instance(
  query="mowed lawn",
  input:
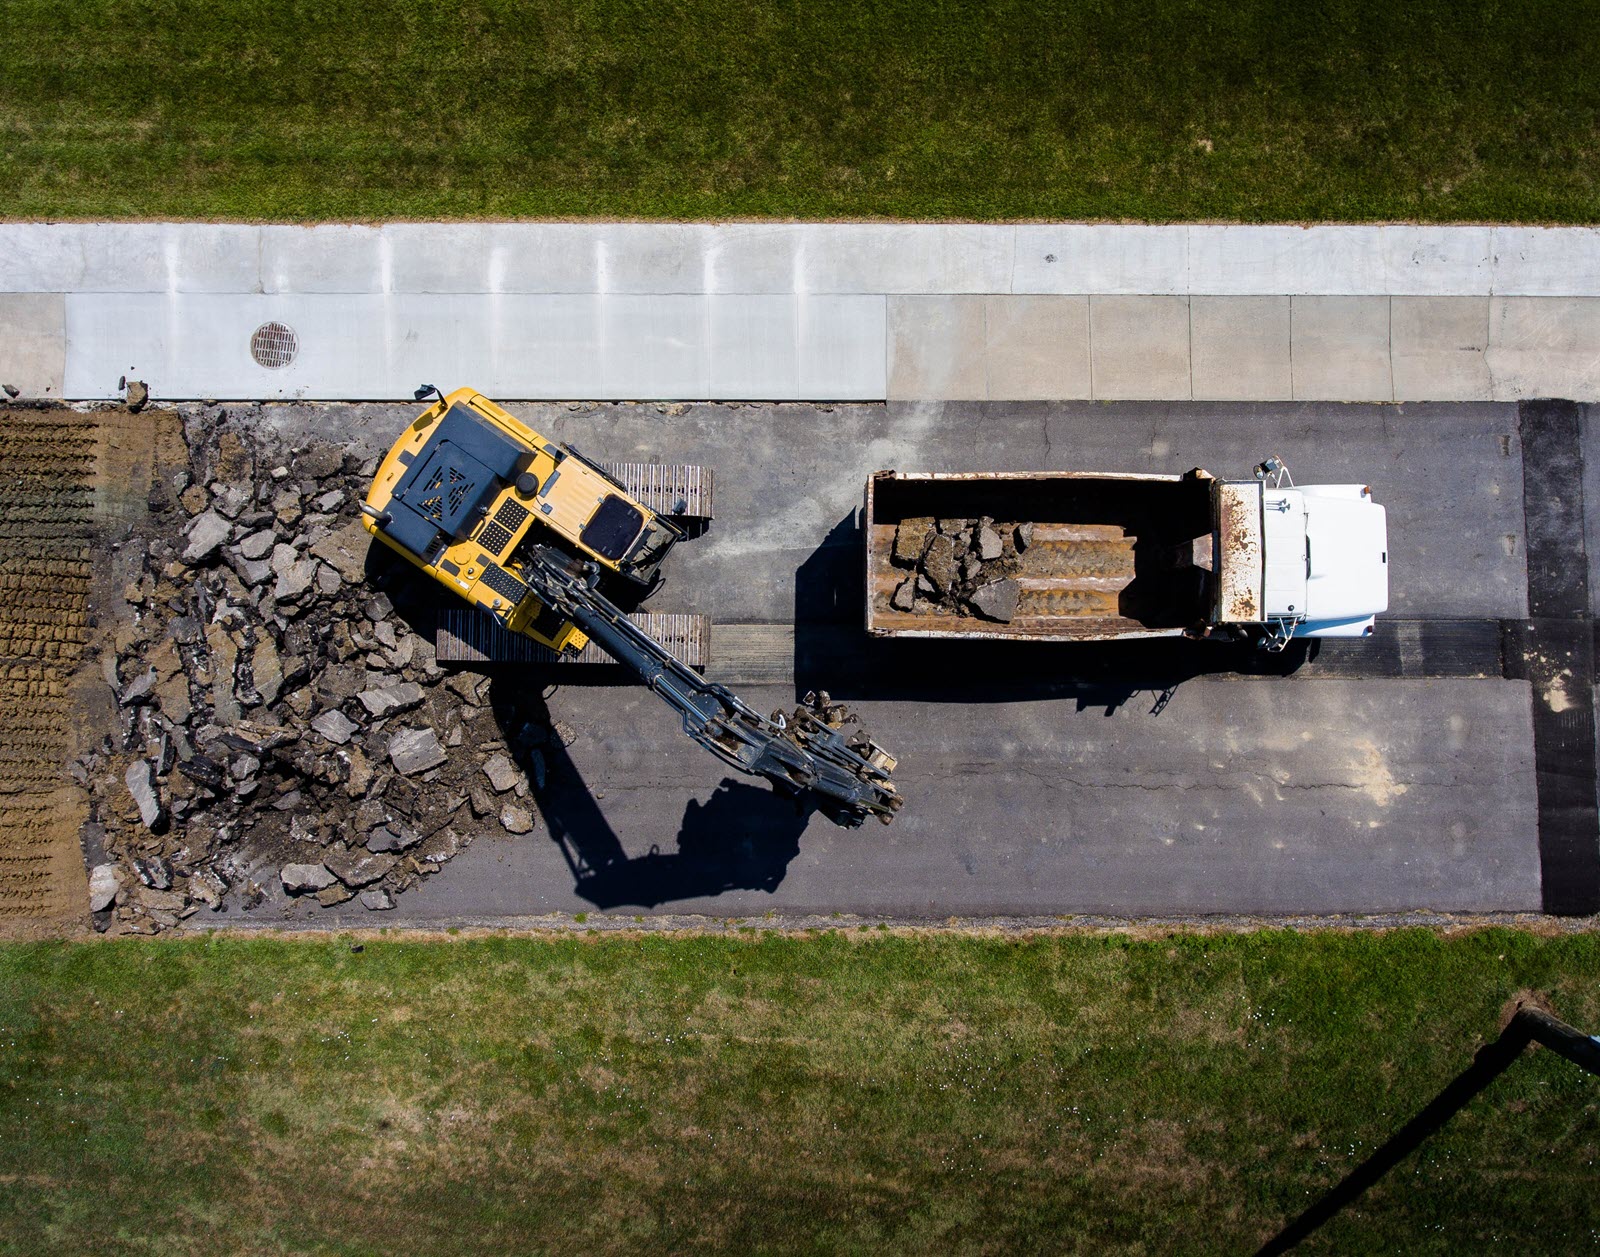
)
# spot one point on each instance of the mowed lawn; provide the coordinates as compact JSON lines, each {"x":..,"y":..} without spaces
{"x":842,"y":1092}
{"x":1171,"y":109}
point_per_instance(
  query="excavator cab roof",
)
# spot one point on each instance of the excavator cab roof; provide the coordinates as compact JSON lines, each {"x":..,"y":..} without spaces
{"x":613,"y":528}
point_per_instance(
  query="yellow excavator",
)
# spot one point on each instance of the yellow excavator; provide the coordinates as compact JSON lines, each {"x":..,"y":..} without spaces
{"x":529,"y":530}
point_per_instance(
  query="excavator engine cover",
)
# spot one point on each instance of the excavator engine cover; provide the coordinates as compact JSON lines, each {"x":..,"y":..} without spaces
{"x":467,"y":464}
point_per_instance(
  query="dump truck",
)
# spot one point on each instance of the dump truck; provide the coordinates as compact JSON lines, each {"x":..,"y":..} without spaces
{"x":529,"y":531}
{"x":1088,"y":556}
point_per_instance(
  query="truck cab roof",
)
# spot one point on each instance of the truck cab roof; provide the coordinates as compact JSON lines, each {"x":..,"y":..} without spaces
{"x":1316,"y":556}
{"x":1347,"y":554}
{"x":1285,"y":567}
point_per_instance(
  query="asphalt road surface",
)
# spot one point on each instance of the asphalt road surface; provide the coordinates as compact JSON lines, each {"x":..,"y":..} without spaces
{"x":1448,"y":764}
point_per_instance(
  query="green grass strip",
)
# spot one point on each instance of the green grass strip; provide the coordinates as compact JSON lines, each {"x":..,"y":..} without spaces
{"x":1250,"y":110}
{"x":855,"y":1092}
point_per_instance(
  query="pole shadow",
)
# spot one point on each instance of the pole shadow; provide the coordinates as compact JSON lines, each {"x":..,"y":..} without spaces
{"x":1527,"y":1025}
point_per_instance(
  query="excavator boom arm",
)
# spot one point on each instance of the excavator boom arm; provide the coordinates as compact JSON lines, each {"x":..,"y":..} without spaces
{"x":805,"y":755}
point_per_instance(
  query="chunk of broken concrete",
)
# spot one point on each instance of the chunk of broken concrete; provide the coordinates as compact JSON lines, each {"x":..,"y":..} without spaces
{"x":284,"y":557}
{"x":253,"y":572}
{"x":155,"y":873}
{"x":393,"y":836}
{"x":940,"y":564}
{"x":139,"y":690}
{"x":517,"y":820}
{"x":480,"y":800}
{"x":206,"y":533}
{"x":360,"y":779}
{"x":266,"y":669}
{"x":254,"y":738}
{"x":905,"y":595}
{"x":501,"y":772}
{"x":104,"y":882}
{"x":294,"y":582}
{"x":173,"y":697}
{"x":208,"y":887}
{"x":299,"y":878}
{"x":989,"y":544}
{"x":377,"y":899}
{"x":159,"y":900}
{"x":258,"y":545}
{"x":1024,"y":536}
{"x":911,"y":539}
{"x":415,"y":751}
{"x":998,"y":601}
{"x":390,"y":699}
{"x":334,"y":725}
{"x":141,"y":782}
{"x":328,"y":581}
{"x":359,"y":868}
{"x":346,"y":551}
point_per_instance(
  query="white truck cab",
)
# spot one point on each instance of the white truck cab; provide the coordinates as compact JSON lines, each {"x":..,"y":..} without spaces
{"x":1311,"y":561}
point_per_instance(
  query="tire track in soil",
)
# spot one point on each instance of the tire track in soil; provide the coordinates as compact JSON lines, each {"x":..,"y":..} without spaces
{"x":47,"y":511}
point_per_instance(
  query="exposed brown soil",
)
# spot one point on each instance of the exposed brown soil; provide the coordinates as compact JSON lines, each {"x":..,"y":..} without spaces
{"x":48,"y":465}
{"x":47,"y":461}
{"x":68,"y":481}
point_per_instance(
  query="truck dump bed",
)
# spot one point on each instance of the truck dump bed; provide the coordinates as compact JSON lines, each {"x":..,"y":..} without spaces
{"x":1043,"y":556}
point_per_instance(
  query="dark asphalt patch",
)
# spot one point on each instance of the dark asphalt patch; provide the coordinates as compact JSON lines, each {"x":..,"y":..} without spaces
{"x":1414,"y":648}
{"x":1555,"y":651}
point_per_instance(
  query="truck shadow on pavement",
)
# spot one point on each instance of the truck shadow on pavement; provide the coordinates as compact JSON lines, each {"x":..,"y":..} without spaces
{"x":833,"y":652}
{"x":742,"y":838}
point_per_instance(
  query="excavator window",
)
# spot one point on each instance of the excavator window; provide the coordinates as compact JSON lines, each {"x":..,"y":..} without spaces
{"x":613,"y":528}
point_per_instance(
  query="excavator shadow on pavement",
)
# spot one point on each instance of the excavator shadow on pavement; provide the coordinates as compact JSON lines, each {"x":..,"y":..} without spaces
{"x":742,"y":838}
{"x":833,"y":652}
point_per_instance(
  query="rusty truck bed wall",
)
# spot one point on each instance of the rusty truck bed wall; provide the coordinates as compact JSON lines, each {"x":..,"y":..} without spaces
{"x":1240,"y":556}
{"x":1103,"y":563}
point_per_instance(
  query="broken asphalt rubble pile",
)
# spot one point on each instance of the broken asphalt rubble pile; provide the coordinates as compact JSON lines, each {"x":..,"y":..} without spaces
{"x":280,"y":725}
{"x":964,"y":567}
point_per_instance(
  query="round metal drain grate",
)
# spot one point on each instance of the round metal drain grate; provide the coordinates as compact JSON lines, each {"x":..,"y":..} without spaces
{"x":274,"y":345}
